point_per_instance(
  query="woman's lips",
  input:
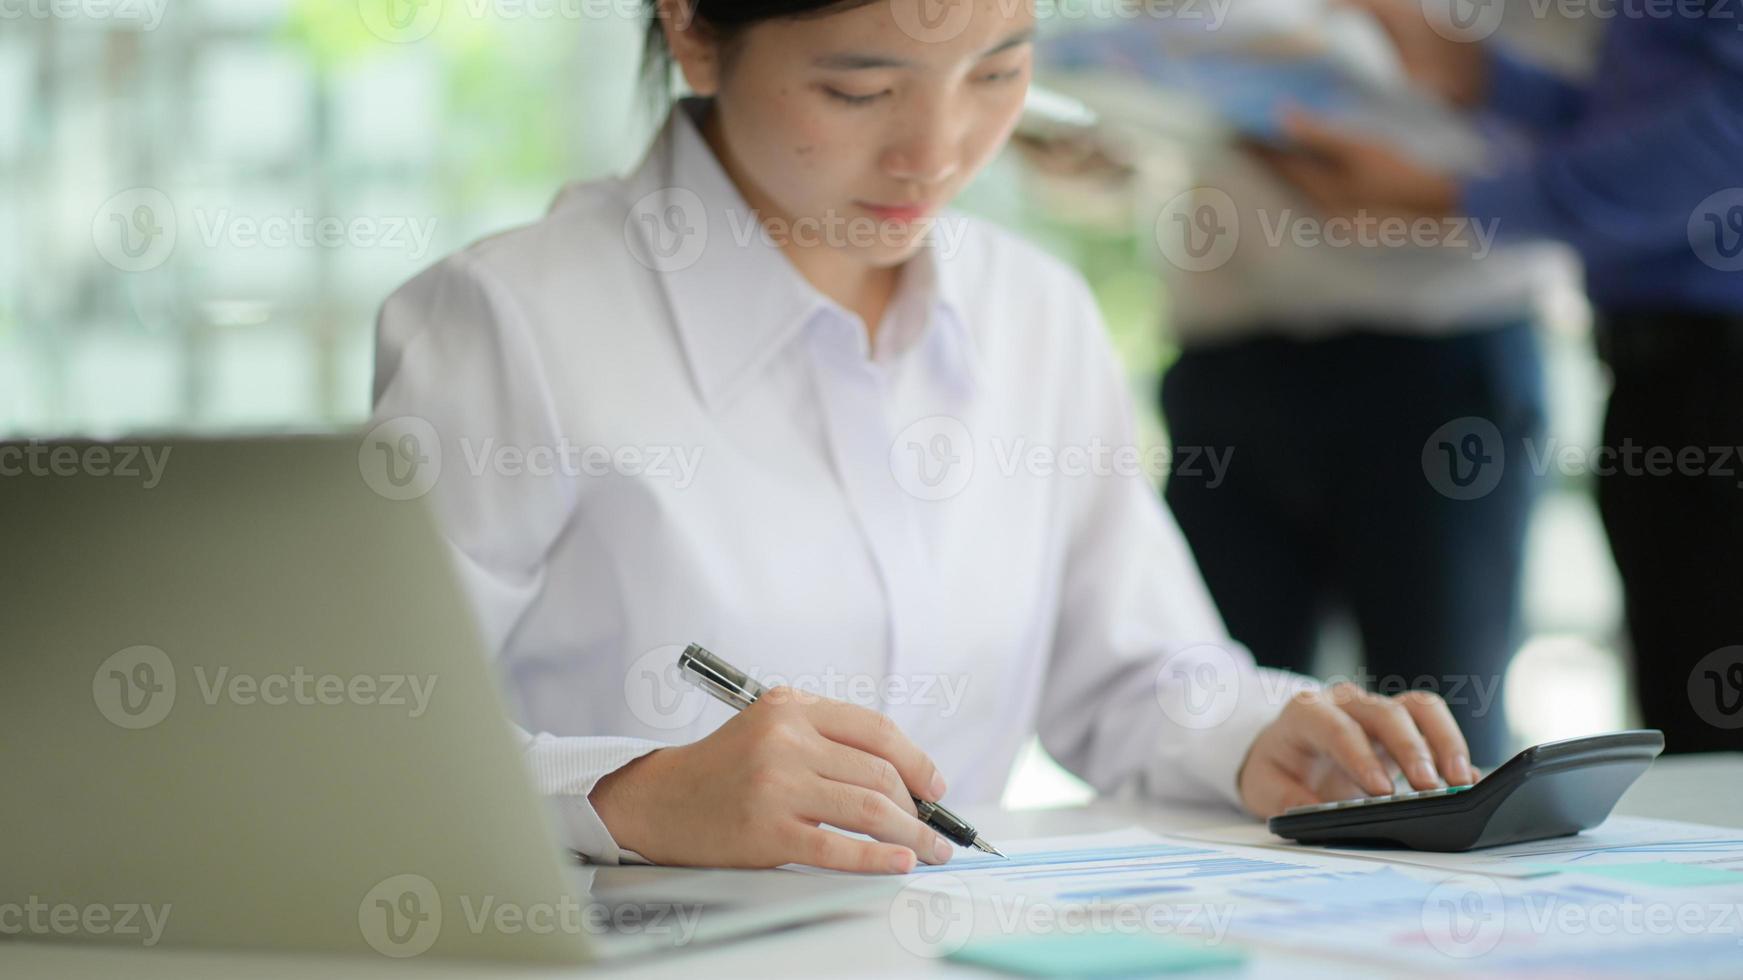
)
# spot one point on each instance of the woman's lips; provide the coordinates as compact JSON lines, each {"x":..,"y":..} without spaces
{"x":897,"y":212}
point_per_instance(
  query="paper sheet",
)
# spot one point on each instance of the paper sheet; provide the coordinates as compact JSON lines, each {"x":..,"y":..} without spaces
{"x":1114,"y":865}
{"x":1290,"y":899}
{"x":1647,"y":923}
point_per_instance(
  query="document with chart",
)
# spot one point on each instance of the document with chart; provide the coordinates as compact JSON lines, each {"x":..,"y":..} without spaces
{"x":1569,"y":917}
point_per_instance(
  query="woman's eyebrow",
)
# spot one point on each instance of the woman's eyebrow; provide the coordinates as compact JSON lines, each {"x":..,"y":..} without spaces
{"x":1021,"y":37}
{"x":849,"y":61}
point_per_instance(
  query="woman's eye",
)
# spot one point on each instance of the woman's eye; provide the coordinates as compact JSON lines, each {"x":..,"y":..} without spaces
{"x":1001,"y":76}
{"x":852,"y":99}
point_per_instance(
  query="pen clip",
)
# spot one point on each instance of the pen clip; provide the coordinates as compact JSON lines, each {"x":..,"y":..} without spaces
{"x":718,"y":677}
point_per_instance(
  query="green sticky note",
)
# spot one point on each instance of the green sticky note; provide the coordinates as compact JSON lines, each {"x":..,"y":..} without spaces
{"x":1664,"y":873}
{"x":1095,"y":955}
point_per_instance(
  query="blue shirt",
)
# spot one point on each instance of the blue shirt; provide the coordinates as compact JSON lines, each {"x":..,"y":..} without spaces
{"x":1626,"y":168}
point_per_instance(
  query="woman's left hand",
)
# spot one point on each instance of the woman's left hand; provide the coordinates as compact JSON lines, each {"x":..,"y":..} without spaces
{"x":1343,"y":742}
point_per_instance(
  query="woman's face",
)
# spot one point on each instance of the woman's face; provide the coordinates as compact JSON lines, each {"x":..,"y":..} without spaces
{"x":851,"y":130}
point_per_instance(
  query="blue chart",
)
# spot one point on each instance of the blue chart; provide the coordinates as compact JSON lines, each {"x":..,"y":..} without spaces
{"x":1563,"y":927}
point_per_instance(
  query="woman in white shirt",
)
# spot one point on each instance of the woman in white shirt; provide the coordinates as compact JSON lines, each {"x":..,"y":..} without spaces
{"x":765,"y":395}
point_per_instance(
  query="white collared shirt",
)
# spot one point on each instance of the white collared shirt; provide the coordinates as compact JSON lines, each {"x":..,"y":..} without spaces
{"x":653,"y":431}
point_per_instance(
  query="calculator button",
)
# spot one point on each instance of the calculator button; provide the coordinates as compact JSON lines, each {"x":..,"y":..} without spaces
{"x":1371,"y":800}
{"x":1312,"y":808}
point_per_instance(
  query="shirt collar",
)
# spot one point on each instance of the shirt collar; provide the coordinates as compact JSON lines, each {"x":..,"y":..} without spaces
{"x":736,"y":298}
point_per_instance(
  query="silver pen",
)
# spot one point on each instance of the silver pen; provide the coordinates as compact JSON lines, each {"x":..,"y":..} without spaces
{"x":739,"y":691}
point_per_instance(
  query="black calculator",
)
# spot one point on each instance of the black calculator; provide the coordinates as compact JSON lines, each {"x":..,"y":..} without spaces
{"x":1548,"y":790}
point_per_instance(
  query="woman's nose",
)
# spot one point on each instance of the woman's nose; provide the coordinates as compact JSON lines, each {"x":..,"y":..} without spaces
{"x":925,"y":155}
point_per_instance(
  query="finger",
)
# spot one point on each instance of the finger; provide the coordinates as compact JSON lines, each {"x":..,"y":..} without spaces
{"x":872,"y":813}
{"x":1325,"y":726}
{"x":822,"y":848}
{"x":871,"y":731}
{"x":846,"y":764}
{"x":1437,"y":724}
{"x":1386,"y":721}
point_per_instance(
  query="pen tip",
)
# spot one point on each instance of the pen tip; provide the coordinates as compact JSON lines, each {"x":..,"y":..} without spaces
{"x":980,"y":843}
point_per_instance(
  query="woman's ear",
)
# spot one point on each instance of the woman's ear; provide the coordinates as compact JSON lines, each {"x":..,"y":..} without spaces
{"x":693,"y":45}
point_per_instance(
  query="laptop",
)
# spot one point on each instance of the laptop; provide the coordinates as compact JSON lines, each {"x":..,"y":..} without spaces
{"x":243,"y":704}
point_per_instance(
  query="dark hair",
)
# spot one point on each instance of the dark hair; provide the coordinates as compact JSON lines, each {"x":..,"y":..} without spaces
{"x":723,"y":18}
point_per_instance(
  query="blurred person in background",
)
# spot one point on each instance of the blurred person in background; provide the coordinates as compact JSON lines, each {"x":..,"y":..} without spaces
{"x":1639,"y":171}
{"x":1322,"y":368}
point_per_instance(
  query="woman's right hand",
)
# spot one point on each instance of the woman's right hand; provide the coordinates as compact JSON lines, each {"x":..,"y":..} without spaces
{"x":753,"y":793}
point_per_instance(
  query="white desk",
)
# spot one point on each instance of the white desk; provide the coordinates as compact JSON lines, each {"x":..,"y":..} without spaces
{"x":1706,"y":789}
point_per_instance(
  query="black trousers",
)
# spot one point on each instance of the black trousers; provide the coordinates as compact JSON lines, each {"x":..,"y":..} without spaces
{"x":1331,"y":496}
{"x":1671,"y":493}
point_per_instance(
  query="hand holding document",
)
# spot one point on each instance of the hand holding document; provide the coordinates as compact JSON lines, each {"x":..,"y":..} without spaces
{"x":1251,"y":83}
